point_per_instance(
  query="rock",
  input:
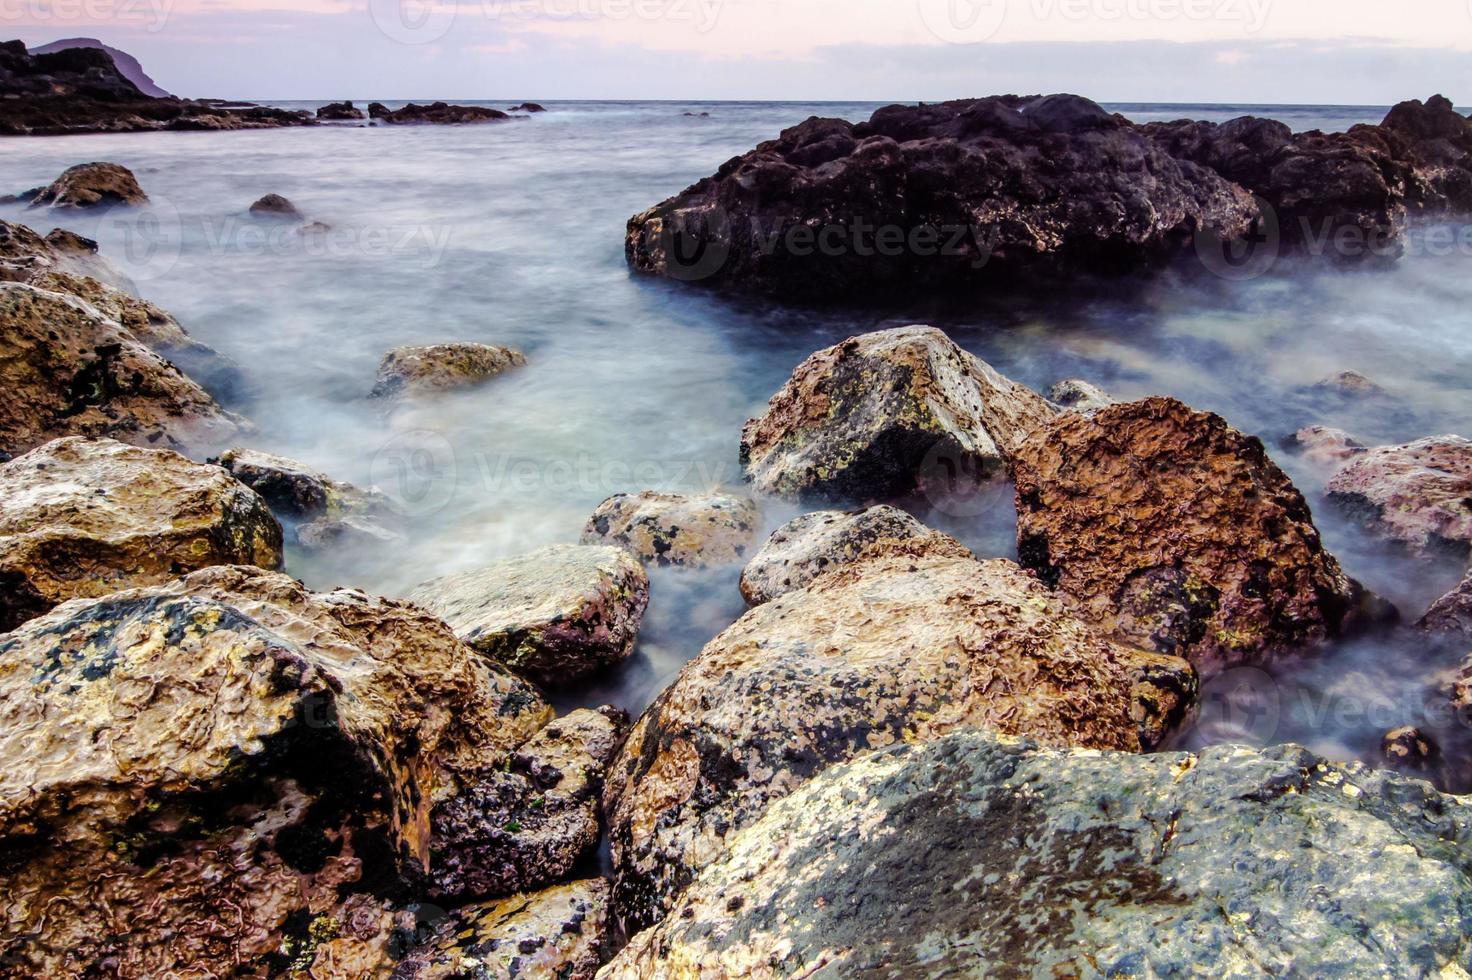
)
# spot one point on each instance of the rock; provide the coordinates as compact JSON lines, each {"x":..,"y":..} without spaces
{"x":528,"y":107}
{"x":873,"y":416}
{"x":1452,"y":613}
{"x":1233,"y":862}
{"x":85,"y":518}
{"x":1175,"y":532}
{"x":1409,"y":748}
{"x":697,"y":529}
{"x":231,"y":748}
{"x":90,"y":185}
{"x":560,"y":932}
{"x":949,"y":197}
{"x":70,"y":252}
{"x":296,"y":490}
{"x":346,"y":533}
{"x":1418,"y":494}
{"x":894,"y":649}
{"x":1349,"y":384}
{"x":1078,"y":395}
{"x":126,"y":64}
{"x":65,"y":369}
{"x":440,"y":367}
{"x":338,"y":111}
{"x":438,"y":113}
{"x":1324,"y":446}
{"x":25,"y":255}
{"x":275,"y":206}
{"x":813,"y":544}
{"x":313,"y":228}
{"x":530,"y":825}
{"x":555,"y":615}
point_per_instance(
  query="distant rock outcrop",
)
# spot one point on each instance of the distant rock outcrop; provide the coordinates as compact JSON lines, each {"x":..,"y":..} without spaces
{"x":440,"y":113}
{"x":127,"y":65}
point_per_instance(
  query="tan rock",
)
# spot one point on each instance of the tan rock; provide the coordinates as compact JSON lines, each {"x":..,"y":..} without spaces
{"x":1176,"y":532}
{"x":555,"y":615}
{"x":441,"y":367}
{"x":65,"y":369}
{"x":1078,"y":395}
{"x":24,"y":254}
{"x":697,"y":529}
{"x":85,"y":518}
{"x":891,"y":650}
{"x":1324,"y":446}
{"x":90,"y":185}
{"x":870,"y":417}
{"x":812,"y":544}
{"x":1419,"y":494}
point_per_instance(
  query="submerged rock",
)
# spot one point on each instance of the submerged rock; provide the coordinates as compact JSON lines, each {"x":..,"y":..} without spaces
{"x":275,"y":206}
{"x":440,"y":367}
{"x":90,"y":185}
{"x":1349,"y":384}
{"x":1452,"y":613}
{"x":65,"y":369}
{"x":873,"y":416}
{"x":1419,"y":494}
{"x":231,"y":749}
{"x":813,"y":544}
{"x":896,"y":649}
{"x":528,"y":107}
{"x":85,"y":518}
{"x":1078,"y":395}
{"x":555,"y":615}
{"x":531,"y":824}
{"x":955,"y":195}
{"x":1324,"y":446}
{"x":346,"y":533}
{"x":559,"y":932}
{"x":977,"y":856}
{"x":676,"y":528}
{"x":1410,"y":749}
{"x":1176,"y":532}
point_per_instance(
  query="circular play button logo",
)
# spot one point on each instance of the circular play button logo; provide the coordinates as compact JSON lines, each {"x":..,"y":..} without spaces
{"x":963,"y":21}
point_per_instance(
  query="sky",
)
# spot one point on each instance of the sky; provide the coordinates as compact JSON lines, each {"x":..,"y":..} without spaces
{"x":1350,"y":52}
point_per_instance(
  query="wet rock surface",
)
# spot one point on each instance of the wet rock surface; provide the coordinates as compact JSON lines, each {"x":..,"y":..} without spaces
{"x":25,"y":255}
{"x":1074,"y":863}
{"x":84,"y":518}
{"x":1078,"y":395}
{"x":275,"y":206}
{"x":696,"y":529}
{"x":219,"y":775}
{"x":441,"y":367}
{"x":531,"y":824}
{"x":339,"y":111}
{"x":896,"y":649}
{"x":439,"y":113}
{"x":812,"y":544}
{"x":1452,"y":613}
{"x":65,"y":369}
{"x":879,"y":414}
{"x":1418,"y":494}
{"x":555,"y":615}
{"x":1176,"y":532}
{"x":325,"y":512}
{"x":91,"y":185}
{"x":1325,"y":447}
{"x":559,"y":932}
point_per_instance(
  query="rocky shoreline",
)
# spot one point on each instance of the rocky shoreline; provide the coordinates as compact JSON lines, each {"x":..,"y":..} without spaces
{"x":904,"y":758}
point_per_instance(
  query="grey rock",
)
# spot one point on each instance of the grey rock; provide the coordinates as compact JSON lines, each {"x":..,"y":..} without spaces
{"x":695,"y":529}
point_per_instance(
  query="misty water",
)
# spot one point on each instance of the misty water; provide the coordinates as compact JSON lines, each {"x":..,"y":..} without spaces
{"x":513,"y":234}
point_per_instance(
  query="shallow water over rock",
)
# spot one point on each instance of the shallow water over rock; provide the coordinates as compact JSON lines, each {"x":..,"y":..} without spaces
{"x":512,"y":235}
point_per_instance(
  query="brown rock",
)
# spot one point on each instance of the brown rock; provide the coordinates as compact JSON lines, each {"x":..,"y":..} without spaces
{"x":210,"y":774}
{"x":1324,"y":446}
{"x":85,"y":518}
{"x":892,"y":650}
{"x":1452,"y":613}
{"x":90,"y":185}
{"x":1176,"y":532}
{"x":65,"y":369}
{"x":1349,"y":384}
{"x":555,"y":615}
{"x":1409,"y":748}
{"x":24,"y":255}
{"x":813,"y":544}
{"x":275,"y":206}
{"x":440,"y":367}
{"x":676,"y":528}
{"x":870,"y":418}
{"x":1419,"y":494}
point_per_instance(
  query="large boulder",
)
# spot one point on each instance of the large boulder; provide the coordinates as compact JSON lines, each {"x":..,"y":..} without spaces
{"x":1176,"y":532}
{"x":555,"y":615}
{"x":819,"y":542}
{"x":699,"y":529}
{"x":25,"y":255}
{"x":978,"y":856}
{"x":900,"y":648}
{"x":212,"y":777}
{"x":873,"y":416}
{"x":1418,"y":494}
{"x":324,"y":511}
{"x":441,"y":367}
{"x":955,"y":195}
{"x":339,"y":111}
{"x":560,"y":932}
{"x":85,"y":518}
{"x":90,"y":185}
{"x":66,"y":369}
{"x":1452,"y":613}
{"x":274,"y":206}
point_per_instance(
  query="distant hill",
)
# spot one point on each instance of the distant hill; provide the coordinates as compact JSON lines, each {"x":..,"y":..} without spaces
{"x":128,"y":65}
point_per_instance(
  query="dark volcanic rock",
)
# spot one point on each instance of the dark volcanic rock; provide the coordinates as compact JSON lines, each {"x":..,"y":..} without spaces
{"x":275,"y":206}
{"x":1176,"y":532}
{"x":339,"y":111}
{"x":938,"y":196}
{"x":127,"y":65}
{"x":1452,"y":613}
{"x":974,"y":856}
{"x":528,"y":107}
{"x":439,"y":113}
